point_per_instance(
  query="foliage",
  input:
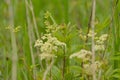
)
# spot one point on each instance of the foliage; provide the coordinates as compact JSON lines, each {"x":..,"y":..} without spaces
{"x":61,"y":43}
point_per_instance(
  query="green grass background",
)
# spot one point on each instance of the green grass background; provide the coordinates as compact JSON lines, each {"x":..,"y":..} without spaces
{"x":77,"y":12}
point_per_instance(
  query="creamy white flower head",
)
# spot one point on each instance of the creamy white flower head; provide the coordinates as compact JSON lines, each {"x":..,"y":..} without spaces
{"x":99,"y":47}
{"x":47,"y":14}
{"x":99,"y":41}
{"x":58,"y":43}
{"x":103,"y":37}
{"x":43,"y":37}
{"x":52,"y":28}
{"x":74,"y":55}
{"x":91,"y":33}
{"x":38,"y":43}
{"x":48,"y":44}
{"x":98,"y":64}
{"x":83,"y":37}
{"x":45,"y":55}
{"x":47,"y":35}
{"x":82,"y":54}
{"x":46,"y":47}
{"x":88,"y":68}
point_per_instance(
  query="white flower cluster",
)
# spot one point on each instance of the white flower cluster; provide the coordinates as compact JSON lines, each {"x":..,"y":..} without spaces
{"x":88,"y":68}
{"x":86,"y":56}
{"x":99,"y":47}
{"x":82,"y":54}
{"x":16,"y":29}
{"x":47,"y":55}
{"x":102,"y":39}
{"x":100,"y":42}
{"x":52,"y":28}
{"x":91,"y":33}
{"x":84,"y":37}
{"x":47,"y":14}
{"x":48,"y":45}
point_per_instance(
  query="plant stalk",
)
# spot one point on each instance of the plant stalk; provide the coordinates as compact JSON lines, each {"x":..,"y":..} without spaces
{"x":13,"y":40}
{"x":93,"y":36}
{"x":30,"y":39}
{"x":48,"y":69}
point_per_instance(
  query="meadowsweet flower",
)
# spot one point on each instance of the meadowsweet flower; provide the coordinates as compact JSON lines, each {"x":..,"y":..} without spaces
{"x":38,"y":43}
{"x":47,"y":14}
{"x":9,"y":27}
{"x":100,"y":42}
{"x":96,"y":38}
{"x":48,"y":44}
{"x":88,"y":68}
{"x":46,"y":47}
{"x":13,"y":29}
{"x":98,"y":64}
{"x":103,"y":37}
{"x":91,"y":33}
{"x":82,"y":54}
{"x":52,"y":28}
{"x":83,"y":37}
{"x":47,"y":23}
{"x":45,"y":55}
{"x":17,"y":29}
{"x":99,"y":47}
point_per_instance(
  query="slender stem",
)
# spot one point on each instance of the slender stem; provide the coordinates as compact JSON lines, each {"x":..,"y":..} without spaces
{"x":115,"y":29}
{"x":48,"y":69}
{"x":93,"y":36}
{"x":30,"y":39}
{"x":34,"y":20}
{"x":13,"y":41}
{"x":36,"y":28}
{"x":28,"y":68}
{"x":99,"y":74}
{"x":64,"y":64}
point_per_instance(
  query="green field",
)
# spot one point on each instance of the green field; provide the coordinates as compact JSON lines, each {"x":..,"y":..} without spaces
{"x":59,"y":39}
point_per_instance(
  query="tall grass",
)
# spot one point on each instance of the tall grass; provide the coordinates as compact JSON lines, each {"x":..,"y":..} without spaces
{"x":30,"y":30}
{"x":116,"y":31}
{"x":116,"y":34}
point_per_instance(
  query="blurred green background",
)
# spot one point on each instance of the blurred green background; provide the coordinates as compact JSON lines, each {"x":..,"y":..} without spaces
{"x":76,"y":12}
